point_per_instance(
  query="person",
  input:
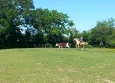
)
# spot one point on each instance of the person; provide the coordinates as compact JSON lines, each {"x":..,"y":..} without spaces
{"x":81,"y":39}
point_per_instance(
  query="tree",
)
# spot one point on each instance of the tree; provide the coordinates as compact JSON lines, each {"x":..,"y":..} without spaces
{"x":52,"y":23}
{"x":102,"y":31}
{"x":72,"y":33}
{"x":85,"y":35}
{"x":111,"y":39}
{"x":12,"y":15}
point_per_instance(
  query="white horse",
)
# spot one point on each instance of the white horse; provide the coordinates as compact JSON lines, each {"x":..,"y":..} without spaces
{"x":80,"y":44}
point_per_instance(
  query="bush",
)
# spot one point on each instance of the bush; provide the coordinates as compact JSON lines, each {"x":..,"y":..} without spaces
{"x":48,"y":45}
{"x":89,"y":46}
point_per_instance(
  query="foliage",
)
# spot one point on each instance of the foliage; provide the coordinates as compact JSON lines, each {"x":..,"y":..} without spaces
{"x":102,"y":31}
{"x":73,"y":34}
{"x":52,"y":23}
{"x":111,"y":38}
{"x":12,"y":15}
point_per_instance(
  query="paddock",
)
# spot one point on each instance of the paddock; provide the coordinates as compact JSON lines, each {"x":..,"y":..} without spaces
{"x":50,"y":65}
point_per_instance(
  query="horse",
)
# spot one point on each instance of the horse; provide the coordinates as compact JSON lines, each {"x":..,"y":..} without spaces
{"x":101,"y":44}
{"x":80,"y":44}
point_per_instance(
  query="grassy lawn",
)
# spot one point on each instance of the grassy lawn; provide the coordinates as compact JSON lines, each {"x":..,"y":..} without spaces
{"x":52,"y":65}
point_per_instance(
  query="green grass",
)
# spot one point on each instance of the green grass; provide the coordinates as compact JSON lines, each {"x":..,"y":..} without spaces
{"x":52,"y":65}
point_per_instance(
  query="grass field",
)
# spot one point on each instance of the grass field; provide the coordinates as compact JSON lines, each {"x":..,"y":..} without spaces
{"x":52,"y":65}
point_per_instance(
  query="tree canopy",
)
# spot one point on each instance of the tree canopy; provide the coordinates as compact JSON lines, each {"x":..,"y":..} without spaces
{"x":104,"y":30}
{"x":37,"y":24}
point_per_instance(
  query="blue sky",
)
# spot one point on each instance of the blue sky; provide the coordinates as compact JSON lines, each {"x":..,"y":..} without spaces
{"x":84,"y":13}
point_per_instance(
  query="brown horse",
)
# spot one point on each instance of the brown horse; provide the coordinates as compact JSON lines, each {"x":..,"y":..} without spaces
{"x":101,"y":44}
{"x":80,"y":44}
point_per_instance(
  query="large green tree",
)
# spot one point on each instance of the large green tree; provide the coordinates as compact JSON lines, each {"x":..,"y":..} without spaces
{"x":13,"y":14}
{"x":102,"y":31}
{"x":52,"y":23}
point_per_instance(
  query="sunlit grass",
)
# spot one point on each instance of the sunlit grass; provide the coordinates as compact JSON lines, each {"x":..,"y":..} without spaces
{"x":52,"y":65}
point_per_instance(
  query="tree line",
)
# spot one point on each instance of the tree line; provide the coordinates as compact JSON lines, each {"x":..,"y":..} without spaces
{"x":21,"y":25}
